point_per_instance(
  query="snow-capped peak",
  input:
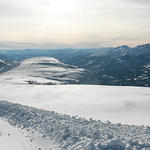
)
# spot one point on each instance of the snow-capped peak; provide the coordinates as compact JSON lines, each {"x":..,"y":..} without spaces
{"x":123,"y":47}
{"x":2,"y":61}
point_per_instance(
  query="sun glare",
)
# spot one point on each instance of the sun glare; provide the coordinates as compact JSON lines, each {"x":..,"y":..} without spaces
{"x":60,"y":7}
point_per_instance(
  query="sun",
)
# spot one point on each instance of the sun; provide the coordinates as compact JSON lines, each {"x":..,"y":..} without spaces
{"x":57,"y":10}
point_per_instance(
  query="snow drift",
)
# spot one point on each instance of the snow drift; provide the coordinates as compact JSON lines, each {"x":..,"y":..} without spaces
{"x":75,"y":133}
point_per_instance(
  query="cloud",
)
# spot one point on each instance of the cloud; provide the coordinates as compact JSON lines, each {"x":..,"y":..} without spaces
{"x":48,"y":45}
{"x":85,"y":23}
{"x":12,"y":8}
{"x":22,"y":8}
{"x":23,"y":45}
{"x":139,"y":1}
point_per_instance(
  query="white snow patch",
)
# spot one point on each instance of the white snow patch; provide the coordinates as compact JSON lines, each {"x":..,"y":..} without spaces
{"x":2,"y":61}
{"x":16,"y":139}
{"x":41,"y":60}
{"x":128,"y":105}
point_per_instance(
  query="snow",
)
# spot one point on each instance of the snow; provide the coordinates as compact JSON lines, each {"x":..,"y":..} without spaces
{"x":19,"y":139}
{"x":34,"y":129}
{"x":147,"y":66}
{"x":45,"y":70}
{"x":2,"y":61}
{"x":12,"y":136}
{"x":128,"y":105}
{"x":73,"y":133}
{"x":41,"y":60}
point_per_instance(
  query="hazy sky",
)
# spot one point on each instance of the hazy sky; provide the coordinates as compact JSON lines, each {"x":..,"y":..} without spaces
{"x":73,"y":23}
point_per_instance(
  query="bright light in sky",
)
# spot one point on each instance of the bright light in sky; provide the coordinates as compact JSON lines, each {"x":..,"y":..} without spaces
{"x":60,"y":7}
{"x":73,"y":23}
{"x":56,"y":7}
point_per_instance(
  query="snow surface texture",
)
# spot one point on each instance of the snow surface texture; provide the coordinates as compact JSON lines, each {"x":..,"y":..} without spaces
{"x":49,"y":71}
{"x":14,"y":138}
{"x":75,"y":133}
{"x":128,"y":105}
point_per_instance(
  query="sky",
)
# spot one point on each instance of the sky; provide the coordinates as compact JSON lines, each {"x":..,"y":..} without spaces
{"x":73,"y":23}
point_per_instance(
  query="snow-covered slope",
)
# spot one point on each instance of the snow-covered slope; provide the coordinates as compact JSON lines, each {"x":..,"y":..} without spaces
{"x":47,"y":70}
{"x":128,"y":105}
{"x":2,"y":64}
{"x":6,"y":64}
{"x":71,"y":133}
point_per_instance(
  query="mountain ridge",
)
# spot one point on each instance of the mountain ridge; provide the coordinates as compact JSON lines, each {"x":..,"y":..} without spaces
{"x":123,"y":65}
{"x":118,"y":66}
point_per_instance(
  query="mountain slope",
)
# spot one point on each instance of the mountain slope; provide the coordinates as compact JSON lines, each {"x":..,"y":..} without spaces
{"x":107,"y":66}
{"x":6,"y":64}
{"x":118,"y":66}
{"x":48,"y":70}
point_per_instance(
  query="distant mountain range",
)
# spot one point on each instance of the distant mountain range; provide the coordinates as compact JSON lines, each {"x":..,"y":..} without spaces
{"x":19,"y":55}
{"x":111,"y":66}
{"x":118,"y":66}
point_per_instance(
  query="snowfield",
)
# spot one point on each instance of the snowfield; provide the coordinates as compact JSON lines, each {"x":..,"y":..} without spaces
{"x":69,"y":117}
{"x":127,"y":105}
{"x":72,"y":133}
{"x":47,"y":71}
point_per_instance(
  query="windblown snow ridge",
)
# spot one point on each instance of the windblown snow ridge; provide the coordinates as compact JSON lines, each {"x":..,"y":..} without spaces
{"x":75,"y":133}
